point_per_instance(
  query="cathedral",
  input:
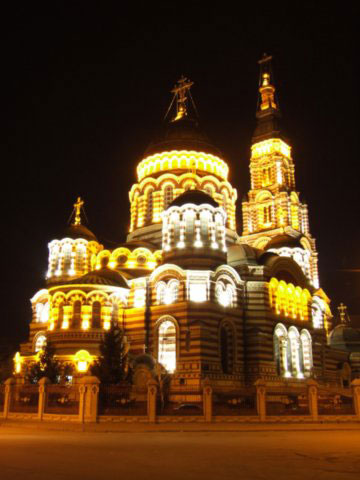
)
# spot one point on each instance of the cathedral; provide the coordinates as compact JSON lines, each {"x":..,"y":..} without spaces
{"x":191,"y":293}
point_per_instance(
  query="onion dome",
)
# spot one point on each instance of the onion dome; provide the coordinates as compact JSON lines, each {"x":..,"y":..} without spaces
{"x":345,"y":337}
{"x":196,"y":197}
{"x":183,"y":134}
{"x":183,"y":131}
{"x":78,"y":231}
{"x":284,"y":241}
{"x":104,"y":276}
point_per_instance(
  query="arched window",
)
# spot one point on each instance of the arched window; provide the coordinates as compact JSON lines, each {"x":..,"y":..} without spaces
{"x":168,"y":196}
{"x":226,"y":349}
{"x":80,"y":259}
{"x":149,"y":206}
{"x":306,"y":352}
{"x":281,"y":351}
{"x":160,"y":293}
{"x":40,"y":342}
{"x":42,"y":312}
{"x":295,"y":352}
{"x":317,"y":315}
{"x":67,"y":249}
{"x":96,"y":315}
{"x":171,"y":292}
{"x":225,"y":295}
{"x":167,"y":345}
{"x":61,"y":316}
{"x":115,"y":314}
{"x":76,"y":314}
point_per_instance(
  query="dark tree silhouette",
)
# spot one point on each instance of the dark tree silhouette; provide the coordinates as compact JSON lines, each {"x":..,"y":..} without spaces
{"x":47,"y":366}
{"x":111,"y":366}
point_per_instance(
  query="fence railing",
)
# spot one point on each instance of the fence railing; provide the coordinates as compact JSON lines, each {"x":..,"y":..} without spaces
{"x":24,"y":399}
{"x":62,"y":399}
{"x":119,"y":400}
{"x":89,"y":401}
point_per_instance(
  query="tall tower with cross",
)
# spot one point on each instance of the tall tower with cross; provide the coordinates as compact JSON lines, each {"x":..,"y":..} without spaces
{"x":274,"y":216}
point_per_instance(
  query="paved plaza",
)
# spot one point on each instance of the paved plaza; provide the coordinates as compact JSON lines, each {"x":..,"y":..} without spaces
{"x":30,"y":453}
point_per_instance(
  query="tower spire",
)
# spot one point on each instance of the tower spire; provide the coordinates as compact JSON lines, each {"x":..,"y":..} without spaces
{"x":266,"y":87}
{"x":268,"y":111}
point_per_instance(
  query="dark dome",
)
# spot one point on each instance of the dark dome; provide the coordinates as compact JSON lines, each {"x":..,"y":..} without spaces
{"x":197,"y":197}
{"x":78,"y":231}
{"x":104,"y":276}
{"x":346,"y":338}
{"x":284,"y":241}
{"x":183,"y":134}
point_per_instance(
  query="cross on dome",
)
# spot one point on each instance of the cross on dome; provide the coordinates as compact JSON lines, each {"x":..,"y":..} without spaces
{"x":180,"y":94}
{"x":78,"y":205}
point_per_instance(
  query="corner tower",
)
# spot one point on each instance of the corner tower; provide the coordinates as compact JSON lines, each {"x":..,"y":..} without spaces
{"x":179,"y":159}
{"x":274,"y":218}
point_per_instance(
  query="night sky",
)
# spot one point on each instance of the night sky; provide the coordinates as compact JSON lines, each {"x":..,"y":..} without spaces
{"x":87,"y":86}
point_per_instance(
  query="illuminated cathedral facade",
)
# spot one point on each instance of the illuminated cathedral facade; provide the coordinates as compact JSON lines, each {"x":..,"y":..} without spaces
{"x":191,"y":294}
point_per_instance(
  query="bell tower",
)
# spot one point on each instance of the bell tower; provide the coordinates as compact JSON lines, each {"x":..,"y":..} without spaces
{"x":274,"y":218}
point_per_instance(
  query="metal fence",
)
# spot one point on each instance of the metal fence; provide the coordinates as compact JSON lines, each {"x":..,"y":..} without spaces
{"x":242,"y":402}
{"x":118,"y":400}
{"x":185,"y":408}
{"x":335,"y":404}
{"x":62,"y":399}
{"x":283,"y":401}
{"x":25,"y":399}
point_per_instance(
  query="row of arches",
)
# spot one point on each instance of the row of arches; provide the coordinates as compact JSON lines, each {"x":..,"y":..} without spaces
{"x":71,"y":257}
{"x":264,"y":212}
{"x":82,"y":316}
{"x":170,"y":284}
{"x":194,"y":226}
{"x":286,"y":299}
{"x":153,"y":195}
{"x":122,"y":257}
{"x":185,"y":160}
{"x":292,"y":352}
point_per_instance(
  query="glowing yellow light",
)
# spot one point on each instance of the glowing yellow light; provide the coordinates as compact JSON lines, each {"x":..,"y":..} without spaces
{"x":51,"y":326}
{"x":85,"y":325}
{"x":82,"y":360}
{"x":289,"y":300}
{"x":106,"y":325}
{"x":18,"y":359}
{"x":182,"y":159}
{"x":268,"y":147}
{"x":65,"y":324}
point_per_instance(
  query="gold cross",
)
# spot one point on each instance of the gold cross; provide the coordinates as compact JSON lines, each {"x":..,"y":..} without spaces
{"x":342,"y":311}
{"x":78,"y":206}
{"x":179,"y":91}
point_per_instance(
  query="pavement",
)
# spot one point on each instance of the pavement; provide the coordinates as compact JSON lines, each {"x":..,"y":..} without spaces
{"x":175,"y":427}
{"x":30,"y":450}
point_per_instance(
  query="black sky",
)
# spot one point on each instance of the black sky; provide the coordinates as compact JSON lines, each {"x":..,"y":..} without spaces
{"x":86,"y":86}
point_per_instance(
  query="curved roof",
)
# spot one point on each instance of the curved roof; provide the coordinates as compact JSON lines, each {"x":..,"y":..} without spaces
{"x":104,"y":276}
{"x":242,"y":254}
{"x":345,"y":337}
{"x":78,"y":231}
{"x":284,"y":241}
{"x":184,"y":134}
{"x":197,"y":197}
